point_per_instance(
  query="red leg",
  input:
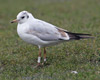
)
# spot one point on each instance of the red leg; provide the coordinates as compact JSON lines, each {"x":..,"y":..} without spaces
{"x":44,"y":55}
{"x":39,"y":57}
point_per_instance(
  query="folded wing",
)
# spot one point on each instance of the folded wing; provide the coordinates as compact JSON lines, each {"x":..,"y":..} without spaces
{"x":47,"y":32}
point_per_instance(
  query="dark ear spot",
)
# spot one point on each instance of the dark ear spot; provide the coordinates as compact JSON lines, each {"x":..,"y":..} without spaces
{"x":27,"y":16}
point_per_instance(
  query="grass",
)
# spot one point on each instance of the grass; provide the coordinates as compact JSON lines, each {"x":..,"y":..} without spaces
{"x":17,"y":59}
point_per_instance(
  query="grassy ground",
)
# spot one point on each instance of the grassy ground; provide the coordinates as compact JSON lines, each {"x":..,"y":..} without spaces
{"x":17,"y":59}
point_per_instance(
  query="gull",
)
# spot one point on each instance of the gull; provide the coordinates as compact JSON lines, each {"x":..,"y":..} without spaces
{"x":43,"y":34}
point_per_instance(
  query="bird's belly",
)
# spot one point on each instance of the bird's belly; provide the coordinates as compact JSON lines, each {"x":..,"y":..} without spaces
{"x":51,"y":43}
{"x":36,"y":41}
{"x":32,"y":39}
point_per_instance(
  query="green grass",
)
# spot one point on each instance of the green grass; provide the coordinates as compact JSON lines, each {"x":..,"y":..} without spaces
{"x":17,"y":59}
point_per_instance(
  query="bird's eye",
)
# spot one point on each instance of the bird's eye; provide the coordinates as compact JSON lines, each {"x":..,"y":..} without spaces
{"x":23,"y":17}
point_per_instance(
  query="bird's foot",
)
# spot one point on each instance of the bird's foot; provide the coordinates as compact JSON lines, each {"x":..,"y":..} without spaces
{"x":45,"y":63}
{"x":39,"y":65}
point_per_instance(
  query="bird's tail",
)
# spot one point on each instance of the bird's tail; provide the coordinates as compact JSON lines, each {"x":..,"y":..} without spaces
{"x":78,"y":36}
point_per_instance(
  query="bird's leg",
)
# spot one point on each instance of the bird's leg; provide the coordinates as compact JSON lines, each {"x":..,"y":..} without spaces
{"x":39,"y":57}
{"x":45,"y":62}
{"x":44,"y":55}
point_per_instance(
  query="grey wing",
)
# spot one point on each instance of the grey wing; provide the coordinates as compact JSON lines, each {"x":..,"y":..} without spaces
{"x":44,"y":31}
{"x":46,"y":36}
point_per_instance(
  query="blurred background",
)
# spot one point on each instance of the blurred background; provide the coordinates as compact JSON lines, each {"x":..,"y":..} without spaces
{"x":17,"y":59}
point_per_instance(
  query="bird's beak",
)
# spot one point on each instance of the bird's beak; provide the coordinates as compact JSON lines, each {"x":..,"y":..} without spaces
{"x":14,"y":21}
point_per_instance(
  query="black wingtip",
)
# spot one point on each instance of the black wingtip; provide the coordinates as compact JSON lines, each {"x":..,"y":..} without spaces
{"x":78,"y":36}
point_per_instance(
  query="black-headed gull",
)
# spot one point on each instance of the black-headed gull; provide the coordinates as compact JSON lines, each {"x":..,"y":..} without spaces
{"x":41,"y":33}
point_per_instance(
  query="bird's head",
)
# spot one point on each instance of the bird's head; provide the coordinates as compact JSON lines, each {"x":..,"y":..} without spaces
{"x":22,"y":17}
